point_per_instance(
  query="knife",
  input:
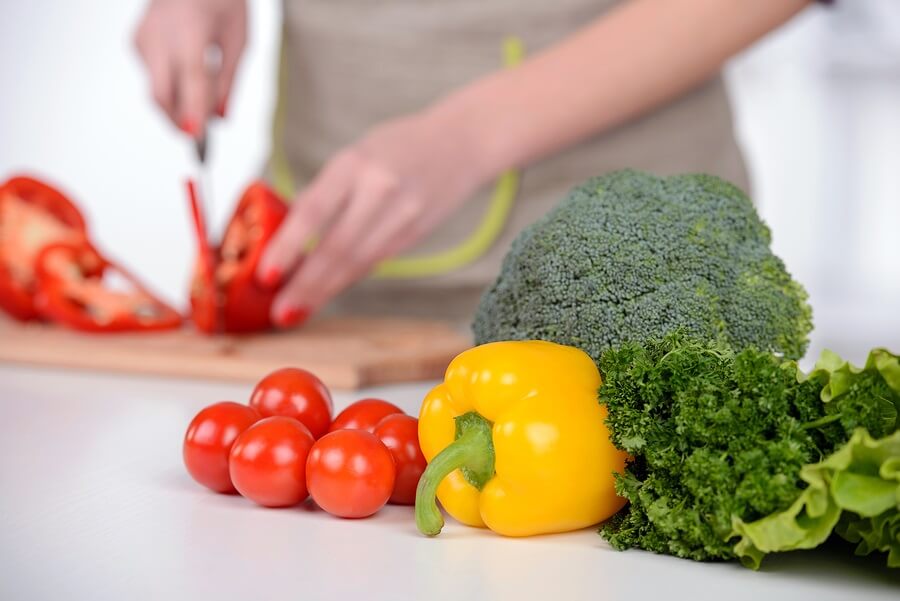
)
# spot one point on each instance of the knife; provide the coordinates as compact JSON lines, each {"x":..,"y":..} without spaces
{"x":212,"y":60}
{"x":200,"y":149}
{"x":201,"y":146}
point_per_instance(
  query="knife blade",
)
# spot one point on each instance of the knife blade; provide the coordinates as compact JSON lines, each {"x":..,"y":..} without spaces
{"x":201,"y":177}
{"x":200,"y":149}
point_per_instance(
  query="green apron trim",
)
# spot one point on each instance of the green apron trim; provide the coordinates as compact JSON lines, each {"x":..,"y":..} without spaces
{"x":480,"y":241}
{"x":280,"y":171}
{"x":469,"y":250}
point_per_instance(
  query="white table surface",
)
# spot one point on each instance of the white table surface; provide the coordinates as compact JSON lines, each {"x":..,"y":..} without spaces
{"x":95,"y":504}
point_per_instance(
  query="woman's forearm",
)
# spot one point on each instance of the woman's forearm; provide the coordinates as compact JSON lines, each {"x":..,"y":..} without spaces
{"x":625,"y":63}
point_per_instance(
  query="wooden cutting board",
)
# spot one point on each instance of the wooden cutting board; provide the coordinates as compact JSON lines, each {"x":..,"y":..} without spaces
{"x":346,"y":352}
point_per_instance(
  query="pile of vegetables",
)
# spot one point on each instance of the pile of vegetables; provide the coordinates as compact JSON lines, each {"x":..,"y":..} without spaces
{"x":50,"y":269}
{"x":669,"y":284}
{"x":737,"y":454}
{"x":283,"y":447}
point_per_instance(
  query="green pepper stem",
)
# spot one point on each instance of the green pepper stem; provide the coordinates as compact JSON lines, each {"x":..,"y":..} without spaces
{"x":472,"y":451}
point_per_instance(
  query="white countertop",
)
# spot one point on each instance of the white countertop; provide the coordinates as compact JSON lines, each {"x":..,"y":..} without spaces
{"x":95,"y":504}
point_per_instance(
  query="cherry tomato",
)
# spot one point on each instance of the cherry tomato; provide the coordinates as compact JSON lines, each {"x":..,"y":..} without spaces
{"x":208,"y":441}
{"x":350,"y":473}
{"x":400,"y":434}
{"x":268,"y":462}
{"x":363,"y":415}
{"x":295,"y":393}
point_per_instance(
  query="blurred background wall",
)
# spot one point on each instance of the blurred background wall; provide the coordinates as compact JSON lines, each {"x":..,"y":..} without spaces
{"x":817,"y":105}
{"x":818,"y":115}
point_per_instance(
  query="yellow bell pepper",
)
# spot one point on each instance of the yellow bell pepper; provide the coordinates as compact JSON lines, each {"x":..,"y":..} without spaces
{"x":515,"y":440}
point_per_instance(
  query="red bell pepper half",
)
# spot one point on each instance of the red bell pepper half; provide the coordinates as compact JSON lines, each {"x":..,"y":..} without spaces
{"x":33,"y":214}
{"x":78,"y":288}
{"x":225,"y":296}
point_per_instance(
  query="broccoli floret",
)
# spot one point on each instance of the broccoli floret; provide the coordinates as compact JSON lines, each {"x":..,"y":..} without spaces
{"x":630,"y":257}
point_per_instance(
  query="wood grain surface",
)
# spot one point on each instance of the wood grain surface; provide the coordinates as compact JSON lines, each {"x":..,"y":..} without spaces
{"x":346,"y":352}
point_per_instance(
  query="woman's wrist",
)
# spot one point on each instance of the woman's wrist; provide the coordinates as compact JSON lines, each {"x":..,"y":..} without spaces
{"x":594,"y":80}
{"x":507,"y":129}
{"x":473,"y":117}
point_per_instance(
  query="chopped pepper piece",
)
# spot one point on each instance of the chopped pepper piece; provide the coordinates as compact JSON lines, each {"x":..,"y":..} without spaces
{"x":78,"y":288}
{"x":225,"y":296}
{"x":33,"y":214}
{"x":516,"y":441}
{"x":205,"y":301}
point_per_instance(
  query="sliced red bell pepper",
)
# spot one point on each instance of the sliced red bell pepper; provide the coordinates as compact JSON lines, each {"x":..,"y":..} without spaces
{"x":225,"y":296}
{"x":33,"y":214}
{"x":205,"y":298}
{"x":78,"y":288}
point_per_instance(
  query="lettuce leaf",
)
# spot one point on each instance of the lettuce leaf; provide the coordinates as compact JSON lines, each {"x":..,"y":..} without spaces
{"x":855,"y":491}
{"x":739,"y":454}
{"x":857,"y":397}
{"x":841,"y":373}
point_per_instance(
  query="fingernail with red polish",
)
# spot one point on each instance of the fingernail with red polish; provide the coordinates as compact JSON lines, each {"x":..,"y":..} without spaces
{"x":188,"y":126}
{"x":222,"y":108}
{"x":291,"y":316}
{"x":270,"y":277}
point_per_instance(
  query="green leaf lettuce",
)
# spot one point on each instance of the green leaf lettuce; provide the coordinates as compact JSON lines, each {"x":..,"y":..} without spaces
{"x":856,"y":491}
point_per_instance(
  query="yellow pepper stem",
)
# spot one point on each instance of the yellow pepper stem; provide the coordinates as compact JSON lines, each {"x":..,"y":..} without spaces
{"x":472,"y":452}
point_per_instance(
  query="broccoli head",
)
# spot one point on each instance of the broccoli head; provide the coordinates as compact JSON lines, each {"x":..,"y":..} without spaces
{"x":630,"y":257}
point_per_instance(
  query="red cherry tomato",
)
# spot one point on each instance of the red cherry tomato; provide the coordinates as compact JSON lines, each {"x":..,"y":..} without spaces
{"x":268,"y":462}
{"x":295,"y":393}
{"x":350,"y":473}
{"x":364,"y":415}
{"x":400,"y":434}
{"x":208,"y":441}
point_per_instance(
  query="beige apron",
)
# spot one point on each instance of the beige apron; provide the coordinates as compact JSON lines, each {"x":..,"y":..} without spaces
{"x":350,"y":64}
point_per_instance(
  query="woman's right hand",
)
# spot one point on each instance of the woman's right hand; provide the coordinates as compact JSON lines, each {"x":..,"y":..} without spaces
{"x":174,"y":38}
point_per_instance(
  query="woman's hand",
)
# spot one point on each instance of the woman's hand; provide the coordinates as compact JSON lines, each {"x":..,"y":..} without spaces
{"x":372,"y":200}
{"x":174,"y":40}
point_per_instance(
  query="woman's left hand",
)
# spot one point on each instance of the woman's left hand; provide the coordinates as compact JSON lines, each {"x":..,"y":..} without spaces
{"x":372,"y":200}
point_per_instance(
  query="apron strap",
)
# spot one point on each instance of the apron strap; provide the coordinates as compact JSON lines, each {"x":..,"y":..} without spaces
{"x":503,"y":197}
{"x":480,"y":241}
